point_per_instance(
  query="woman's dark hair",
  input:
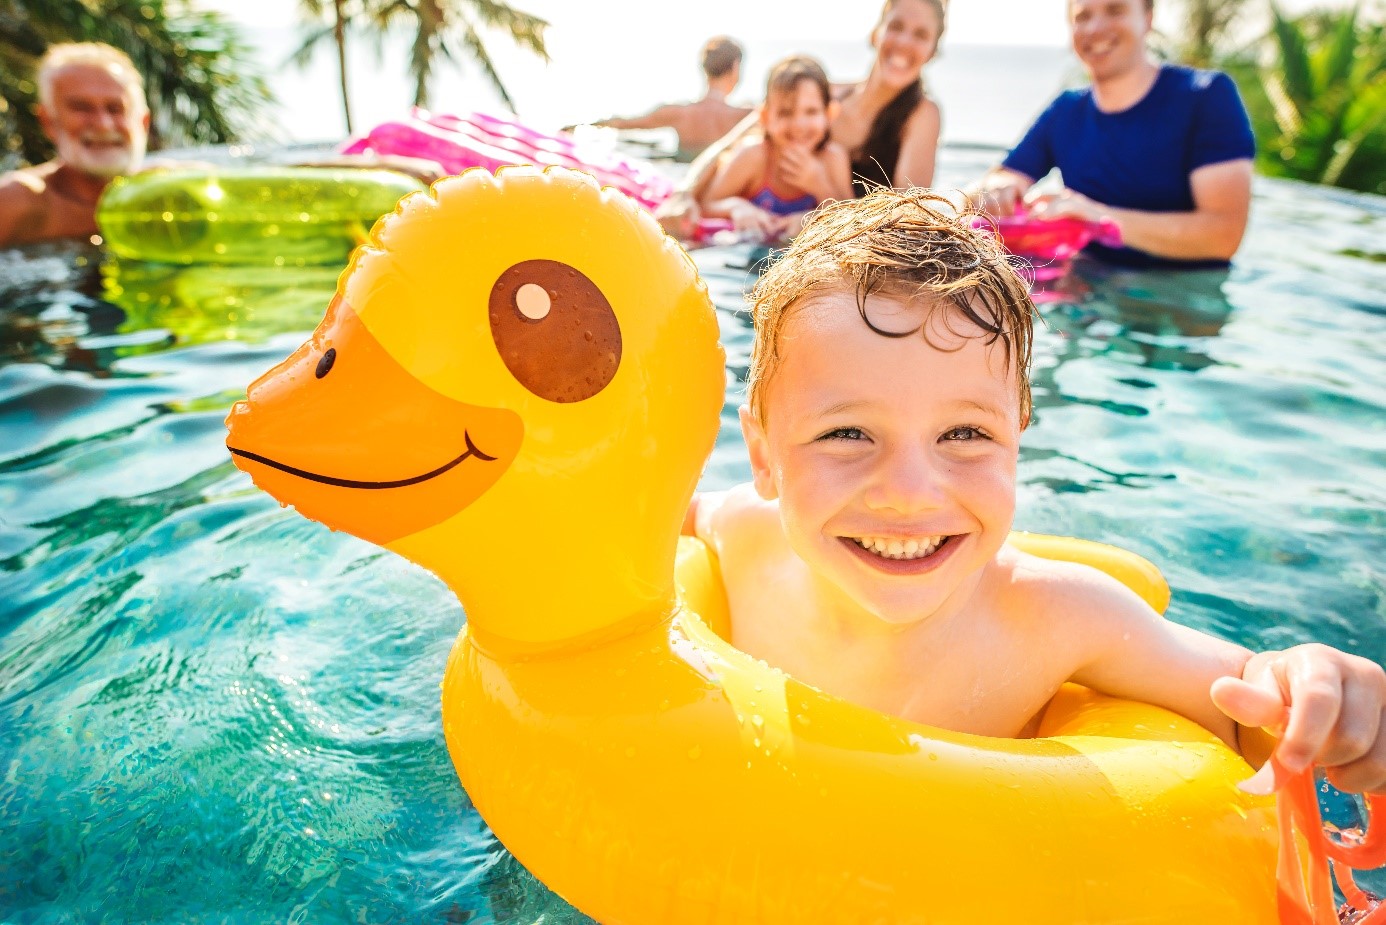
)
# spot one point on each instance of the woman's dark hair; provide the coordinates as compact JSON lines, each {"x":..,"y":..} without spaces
{"x":875,"y":166}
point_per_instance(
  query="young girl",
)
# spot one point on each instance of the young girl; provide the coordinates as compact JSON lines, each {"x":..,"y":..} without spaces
{"x":768,"y":186}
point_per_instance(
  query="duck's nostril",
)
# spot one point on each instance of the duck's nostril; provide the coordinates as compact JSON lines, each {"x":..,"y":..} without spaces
{"x":325,"y":364}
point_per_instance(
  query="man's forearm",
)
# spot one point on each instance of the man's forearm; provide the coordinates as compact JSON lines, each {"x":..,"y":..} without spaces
{"x":1180,"y":235}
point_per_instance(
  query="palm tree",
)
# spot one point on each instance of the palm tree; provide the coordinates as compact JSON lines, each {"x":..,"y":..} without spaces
{"x":199,"y":79}
{"x":1205,"y":26}
{"x":450,"y":27}
{"x":1325,"y":81}
{"x":341,"y":19}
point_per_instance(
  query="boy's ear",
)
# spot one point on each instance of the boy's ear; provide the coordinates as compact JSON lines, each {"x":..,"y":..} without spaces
{"x":759,"y":449}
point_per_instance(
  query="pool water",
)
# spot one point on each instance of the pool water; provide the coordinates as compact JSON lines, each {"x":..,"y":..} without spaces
{"x":212,"y":710}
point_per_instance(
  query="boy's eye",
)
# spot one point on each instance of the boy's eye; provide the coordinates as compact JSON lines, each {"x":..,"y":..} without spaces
{"x":965,"y":433}
{"x":844,"y":433}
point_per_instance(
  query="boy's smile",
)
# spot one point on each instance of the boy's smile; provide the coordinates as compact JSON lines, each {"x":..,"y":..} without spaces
{"x":893,"y":458}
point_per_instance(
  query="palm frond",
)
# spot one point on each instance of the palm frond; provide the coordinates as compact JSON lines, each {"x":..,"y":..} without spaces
{"x":303,"y":54}
{"x":471,"y":40}
{"x":1342,"y":49}
{"x":1296,"y":77}
{"x":525,"y":29}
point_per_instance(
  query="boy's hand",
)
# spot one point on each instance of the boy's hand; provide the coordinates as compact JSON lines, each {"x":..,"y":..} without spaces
{"x":1325,"y":705}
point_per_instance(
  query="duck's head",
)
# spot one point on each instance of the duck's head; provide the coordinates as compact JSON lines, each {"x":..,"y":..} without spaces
{"x":515,"y":386}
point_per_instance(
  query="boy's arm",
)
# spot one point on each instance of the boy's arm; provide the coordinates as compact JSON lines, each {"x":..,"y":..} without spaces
{"x":1124,"y":648}
{"x":1326,"y":705}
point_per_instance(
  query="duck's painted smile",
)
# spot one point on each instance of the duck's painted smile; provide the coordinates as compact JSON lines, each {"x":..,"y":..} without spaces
{"x":470,"y":452}
{"x":347,"y":435}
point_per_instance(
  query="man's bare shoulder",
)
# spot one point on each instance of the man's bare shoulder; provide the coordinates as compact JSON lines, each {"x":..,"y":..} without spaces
{"x":24,"y":196}
{"x":25,"y":184}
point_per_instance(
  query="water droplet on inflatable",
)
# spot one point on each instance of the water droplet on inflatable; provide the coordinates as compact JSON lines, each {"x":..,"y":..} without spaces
{"x":630,"y":751}
{"x":695,"y":753}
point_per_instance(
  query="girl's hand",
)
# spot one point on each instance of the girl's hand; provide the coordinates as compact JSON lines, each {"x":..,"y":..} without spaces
{"x":679,"y":215}
{"x":791,"y":225}
{"x":801,"y":168}
{"x":747,"y":216}
{"x":1325,"y":705}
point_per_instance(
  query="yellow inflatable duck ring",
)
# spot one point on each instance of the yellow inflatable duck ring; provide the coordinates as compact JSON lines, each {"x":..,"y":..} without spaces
{"x":516,"y":386}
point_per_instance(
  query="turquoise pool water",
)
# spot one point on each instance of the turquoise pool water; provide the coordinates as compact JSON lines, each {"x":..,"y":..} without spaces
{"x":212,"y":710}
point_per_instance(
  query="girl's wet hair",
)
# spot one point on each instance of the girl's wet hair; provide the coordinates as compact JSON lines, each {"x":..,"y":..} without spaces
{"x":912,"y":245}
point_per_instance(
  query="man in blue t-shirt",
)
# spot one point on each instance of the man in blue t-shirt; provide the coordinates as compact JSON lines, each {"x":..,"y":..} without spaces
{"x":1163,"y":151}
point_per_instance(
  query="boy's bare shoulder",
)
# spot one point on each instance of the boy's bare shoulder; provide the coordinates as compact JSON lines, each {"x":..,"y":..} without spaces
{"x":1083,"y":597}
{"x":734,"y":516}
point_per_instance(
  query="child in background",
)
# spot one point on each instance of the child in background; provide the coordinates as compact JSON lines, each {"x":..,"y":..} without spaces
{"x":887,"y":394}
{"x":769,"y":185}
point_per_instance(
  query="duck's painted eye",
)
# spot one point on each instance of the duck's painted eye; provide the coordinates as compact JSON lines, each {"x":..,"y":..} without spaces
{"x":555,"y":330}
{"x":325,"y":364}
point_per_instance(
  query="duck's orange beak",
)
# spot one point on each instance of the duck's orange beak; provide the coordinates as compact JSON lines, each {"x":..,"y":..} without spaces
{"x":345,"y":434}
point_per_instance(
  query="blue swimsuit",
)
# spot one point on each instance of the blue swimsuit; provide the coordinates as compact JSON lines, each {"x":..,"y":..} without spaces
{"x":770,"y":202}
{"x":775,"y":204}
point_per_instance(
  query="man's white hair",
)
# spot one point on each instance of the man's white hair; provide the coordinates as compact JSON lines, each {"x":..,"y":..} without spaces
{"x":91,"y":54}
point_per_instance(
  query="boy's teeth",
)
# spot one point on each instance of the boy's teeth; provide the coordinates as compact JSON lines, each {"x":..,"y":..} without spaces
{"x":895,"y":548}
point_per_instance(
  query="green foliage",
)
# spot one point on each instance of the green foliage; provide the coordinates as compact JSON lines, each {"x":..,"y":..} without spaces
{"x":450,"y":29}
{"x":199,"y":76}
{"x":1204,"y":28}
{"x":1316,"y":91}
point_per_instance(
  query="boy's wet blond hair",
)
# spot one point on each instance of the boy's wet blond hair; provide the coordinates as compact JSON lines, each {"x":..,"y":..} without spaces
{"x":909,"y":245}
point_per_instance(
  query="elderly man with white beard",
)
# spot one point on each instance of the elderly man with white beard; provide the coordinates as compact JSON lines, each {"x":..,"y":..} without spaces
{"x":92,"y":106}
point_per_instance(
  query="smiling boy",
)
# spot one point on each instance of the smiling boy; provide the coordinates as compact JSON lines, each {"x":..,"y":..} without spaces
{"x":887,"y":394}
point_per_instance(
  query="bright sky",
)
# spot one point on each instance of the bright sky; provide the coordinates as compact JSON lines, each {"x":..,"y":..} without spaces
{"x":612,"y":22}
{"x":610,"y":56}
{"x":989,"y":22}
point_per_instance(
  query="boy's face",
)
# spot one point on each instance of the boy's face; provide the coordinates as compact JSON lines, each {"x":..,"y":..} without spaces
{"x":893,"y":459}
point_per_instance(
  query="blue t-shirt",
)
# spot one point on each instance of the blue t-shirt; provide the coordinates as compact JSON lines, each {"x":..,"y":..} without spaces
{"x":1141,"y":157}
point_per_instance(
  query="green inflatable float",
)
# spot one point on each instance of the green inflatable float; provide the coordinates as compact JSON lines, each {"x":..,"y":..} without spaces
{"x":269,"y":216}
